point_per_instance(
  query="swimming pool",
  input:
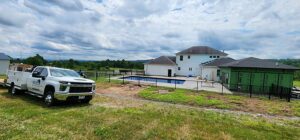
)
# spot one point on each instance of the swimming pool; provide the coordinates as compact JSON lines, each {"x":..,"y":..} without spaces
{"x":150,"y":79}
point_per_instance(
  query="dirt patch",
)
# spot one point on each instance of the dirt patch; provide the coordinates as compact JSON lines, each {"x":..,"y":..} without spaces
{"x":123,"y":90}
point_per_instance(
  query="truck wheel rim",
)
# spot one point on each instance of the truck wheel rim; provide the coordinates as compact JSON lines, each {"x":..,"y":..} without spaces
{"x":48,"y":99}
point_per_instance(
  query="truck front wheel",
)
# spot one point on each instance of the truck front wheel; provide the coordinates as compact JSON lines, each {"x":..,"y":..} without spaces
{"x":49,"y":98}
{"x":86,"y":101}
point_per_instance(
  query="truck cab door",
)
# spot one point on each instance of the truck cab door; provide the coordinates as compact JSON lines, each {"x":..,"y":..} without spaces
{"x":43,"y":76}
{"x":34,"y":84}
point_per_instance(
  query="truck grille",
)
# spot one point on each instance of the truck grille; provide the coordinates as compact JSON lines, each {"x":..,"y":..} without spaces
{"x":81,"y":84}
{"x":80,"y":89}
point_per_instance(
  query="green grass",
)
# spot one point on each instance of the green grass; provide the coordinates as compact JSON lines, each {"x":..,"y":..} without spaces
{"x":3,"y":76}
{"x":216,"y":100}
{"x":103,"y":82}
{"x":297,"y":83}
{"x":25,"y":117}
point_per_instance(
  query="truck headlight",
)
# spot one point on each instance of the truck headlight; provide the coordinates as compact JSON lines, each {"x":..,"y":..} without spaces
{"x":63,"y":85}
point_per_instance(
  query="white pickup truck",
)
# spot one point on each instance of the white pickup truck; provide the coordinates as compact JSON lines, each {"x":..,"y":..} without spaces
{"x":51,"y":84}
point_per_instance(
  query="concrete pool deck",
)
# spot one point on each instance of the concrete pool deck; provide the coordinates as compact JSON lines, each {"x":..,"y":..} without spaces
{"x":190,"y":83}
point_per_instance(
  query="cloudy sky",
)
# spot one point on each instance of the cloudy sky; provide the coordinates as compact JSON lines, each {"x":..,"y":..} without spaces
{"x":144,"y":29}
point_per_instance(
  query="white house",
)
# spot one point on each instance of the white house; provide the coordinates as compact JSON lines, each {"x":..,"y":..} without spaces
{"x":210,"y":70}
{"x":161,"y":66}
{"x":4,"y":63}
{"x":186,"y":63}
{"x":189,"y":60}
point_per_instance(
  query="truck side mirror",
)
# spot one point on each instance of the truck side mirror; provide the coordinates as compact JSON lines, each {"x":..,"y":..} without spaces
{"x":35,"y":74}
{"x":43,"y":78}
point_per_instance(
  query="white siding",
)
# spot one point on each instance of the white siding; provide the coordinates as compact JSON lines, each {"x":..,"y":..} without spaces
{"x":4,"y":64}
{"x":194,"y":63}
{"x":159,"y":70}
{"x":210,"y":73}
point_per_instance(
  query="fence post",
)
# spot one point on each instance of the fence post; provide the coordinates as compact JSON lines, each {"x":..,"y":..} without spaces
{"x":222,"y":88}
{"x":250,"y":91}
{"x":280,"y":94}
{"x":109,"y":78}
{"x":123,"y":79}
{"x":289,"y":95}
{"x":96,"y":74}
{"x":197,"y":85}
{"x":139,"y":82}
{"x":270,"y":91}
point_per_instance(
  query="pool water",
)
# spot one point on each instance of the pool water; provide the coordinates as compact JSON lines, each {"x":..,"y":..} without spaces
{"x":159,"y":80}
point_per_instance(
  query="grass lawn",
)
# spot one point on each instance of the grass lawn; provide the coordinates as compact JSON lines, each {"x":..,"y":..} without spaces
{"x":2,"y":76}
{"x":297,"y":83}
{"x":24,"y":116}
{"x":216,"y":100}
{"x":103,"y":82}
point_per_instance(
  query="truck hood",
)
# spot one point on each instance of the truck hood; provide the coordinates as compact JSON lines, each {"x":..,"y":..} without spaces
{"x":73,"y":79}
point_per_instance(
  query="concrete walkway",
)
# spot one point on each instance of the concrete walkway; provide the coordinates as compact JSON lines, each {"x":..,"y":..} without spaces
{"x":190,"y":83}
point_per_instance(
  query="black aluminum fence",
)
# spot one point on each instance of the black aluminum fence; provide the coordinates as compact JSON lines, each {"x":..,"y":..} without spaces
{"x":253,"y":90}
{"x":269,"y":91}
{"x":110,"y":73}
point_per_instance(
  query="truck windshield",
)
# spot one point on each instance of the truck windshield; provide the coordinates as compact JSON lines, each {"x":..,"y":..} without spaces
{"x":63,"y":73}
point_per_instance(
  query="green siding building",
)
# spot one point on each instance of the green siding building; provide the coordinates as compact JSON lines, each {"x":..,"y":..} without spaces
{"x":260,"y":74}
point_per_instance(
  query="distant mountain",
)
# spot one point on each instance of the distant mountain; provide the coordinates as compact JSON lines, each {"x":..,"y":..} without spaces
{"x":140,"y":61}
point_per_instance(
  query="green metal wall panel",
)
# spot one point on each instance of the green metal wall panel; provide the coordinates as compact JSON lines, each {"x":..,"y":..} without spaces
{"x":260,"y":79}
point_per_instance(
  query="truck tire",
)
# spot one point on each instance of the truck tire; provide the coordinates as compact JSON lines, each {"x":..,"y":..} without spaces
{"x":86,"y":101}
{"x":49,"y":99}
{"x":12,"y":90}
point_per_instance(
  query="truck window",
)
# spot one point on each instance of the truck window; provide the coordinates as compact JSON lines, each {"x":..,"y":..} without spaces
{"x":44,"y":72}
{"x":38,"y":70}
{"x":63,"y":72}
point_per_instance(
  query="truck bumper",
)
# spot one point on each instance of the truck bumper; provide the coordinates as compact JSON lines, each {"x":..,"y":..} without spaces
{"x":65,"y":96}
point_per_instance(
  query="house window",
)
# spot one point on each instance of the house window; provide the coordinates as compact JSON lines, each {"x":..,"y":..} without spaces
{"x":218,"y":56}
{"x":181,"y":58}
{"x":190,"y":69}
{"x":189,"y":57}
{"x":214,"y":56}
{"x":218,"y":72}
{"x":179,"y":68}
{"x":210,"y":56}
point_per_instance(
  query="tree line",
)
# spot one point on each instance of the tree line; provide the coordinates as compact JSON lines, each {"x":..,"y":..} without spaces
{"x":39,"y":60}
{"x":292,"y":62}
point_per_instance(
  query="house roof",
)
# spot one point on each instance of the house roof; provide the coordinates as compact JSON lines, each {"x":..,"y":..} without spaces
{"x":202,"y":50}
{"x":163,"y":60}
{"x":252,"y":62}
{"x":218,"y":62}
{"x":4,"y":56}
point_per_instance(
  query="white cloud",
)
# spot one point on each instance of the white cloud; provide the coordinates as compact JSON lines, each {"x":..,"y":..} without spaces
{"x":134,"y":29}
